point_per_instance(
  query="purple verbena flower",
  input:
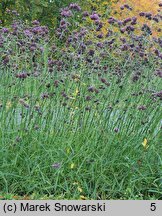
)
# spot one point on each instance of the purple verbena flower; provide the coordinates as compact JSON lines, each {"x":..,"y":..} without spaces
{"x":111,"y":20}
{"x":141,"y":107}
{"x":94,"y":16}
{"x":56,"y":165}
{"x":5,"y":30}
{"x":22,"y":75}
{"x":127,"y":20}
{"x":142,"y":14}
{"x":35,"y":22}
{"x":66,"y":12}
{"x":85,"y":13}
{"x":75,"y":6}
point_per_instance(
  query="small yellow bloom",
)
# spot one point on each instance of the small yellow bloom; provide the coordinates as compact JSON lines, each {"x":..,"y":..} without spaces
{"x":75,"y":183}
{"x":72,"y":166}
{"x":80,"y":190}
{"x":145,"y":143}
{"x":76,"y":79}
{"x":83,"y":197}
{"x":76,"y":92}
{"x":8,"y":105}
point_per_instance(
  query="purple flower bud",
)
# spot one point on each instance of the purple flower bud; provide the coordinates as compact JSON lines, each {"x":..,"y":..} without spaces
{"x":14,"y":12}
{"x":158,"y":94}
{"x":100,"y":36}
{"x":127,"y":20}
{"x":141,"y":54}
{"x":32,"y":48}
{"x":116,"y":130}
{"x":88,"y":98}
{"x":157,"y":52}
{"x":103,"y":80}
{"x":22,"y":75}
{"x":126,"y":6}
{"x":91,"y":89}
{"x":158,"y":73}
{"x":94,"y":16}
{"x":155,"y":19}
{"x":160,"y":55}
{"x":147,"y":15}
{"x":63,"y":24}
{"x":5,"y":30}
{"x":66,"y":12}
{"x":6,"y":60}
{"x":130,"y":28}
{"x":133,"y":23}
{"x":111,"y":20}
{"x":8,"y":11}
{"x":122,"y":7}
{"x":141,"y":107}
{"x":35,"y":22}
{"x":91,"y":52}
{"x":120,"y":23}
{"x":135,"y":78}
{"x":123,"y":40}
{"x":28,"y":33}
{"x":123,"y":30}
{"x":85,"y":13}
{"x":75,"y":6}
{"x":142,"y":14}
{"x":56,"y":83}
{"x":124,"y":47}
{"x":56,"y":165}
{"x":134,"y":19}
{"x":100,"y":45}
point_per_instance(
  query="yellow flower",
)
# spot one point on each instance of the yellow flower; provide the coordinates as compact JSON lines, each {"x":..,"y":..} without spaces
{"x":72,"y":166}
{"x":83,"y":197}
{"x":8,"y":105}
{"x":145,"y":143}
{"x":76,"y":92}
{"x":80,"y":189}
{"x":75,"y":183}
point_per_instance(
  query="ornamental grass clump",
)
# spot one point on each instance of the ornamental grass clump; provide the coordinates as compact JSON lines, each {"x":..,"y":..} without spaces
{"x":83,"y":105}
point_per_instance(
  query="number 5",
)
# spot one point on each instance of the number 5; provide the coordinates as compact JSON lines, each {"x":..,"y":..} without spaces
{"x":153,"y":207}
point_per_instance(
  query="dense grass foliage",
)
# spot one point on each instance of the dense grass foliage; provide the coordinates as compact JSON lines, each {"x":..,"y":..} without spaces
{"x":81,"y":111}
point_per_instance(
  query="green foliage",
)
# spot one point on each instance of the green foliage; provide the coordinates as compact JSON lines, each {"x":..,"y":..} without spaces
{"x":82,"y":120}
{"x":46,"y":11}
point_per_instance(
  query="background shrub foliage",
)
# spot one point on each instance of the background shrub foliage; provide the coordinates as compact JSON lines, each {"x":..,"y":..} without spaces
{"x":80,"y":99}
{"x":46,"y":11}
